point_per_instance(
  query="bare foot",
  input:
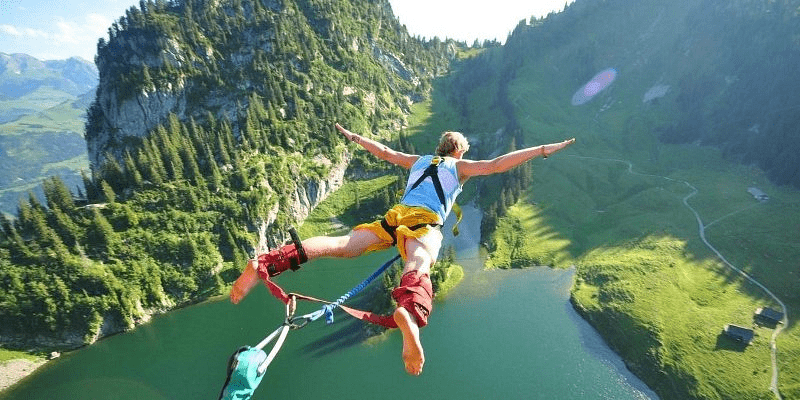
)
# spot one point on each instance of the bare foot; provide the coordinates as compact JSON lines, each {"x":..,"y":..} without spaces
{"x":413,"y":355}
{"x":246,"y":281}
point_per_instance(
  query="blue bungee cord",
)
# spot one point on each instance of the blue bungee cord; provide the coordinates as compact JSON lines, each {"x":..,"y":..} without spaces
{"x":327,"y":309}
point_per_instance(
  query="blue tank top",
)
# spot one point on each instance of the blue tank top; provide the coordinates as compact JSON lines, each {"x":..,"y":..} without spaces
{"x":425,"y":195}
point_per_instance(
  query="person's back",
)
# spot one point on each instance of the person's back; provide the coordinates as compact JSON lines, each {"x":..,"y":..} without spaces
{"x":425,"y":193}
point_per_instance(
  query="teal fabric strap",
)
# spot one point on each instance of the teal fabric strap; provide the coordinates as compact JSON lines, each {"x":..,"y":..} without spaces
{"x":244,"y":375}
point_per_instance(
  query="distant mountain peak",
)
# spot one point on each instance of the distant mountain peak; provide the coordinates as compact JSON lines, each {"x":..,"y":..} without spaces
{"x":21,"y":74}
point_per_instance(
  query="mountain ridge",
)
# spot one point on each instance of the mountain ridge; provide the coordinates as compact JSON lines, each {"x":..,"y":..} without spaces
{"x":21,"y":73}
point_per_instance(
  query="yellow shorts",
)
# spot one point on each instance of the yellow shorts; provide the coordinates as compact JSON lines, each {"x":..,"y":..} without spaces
{"x":401,"y":217}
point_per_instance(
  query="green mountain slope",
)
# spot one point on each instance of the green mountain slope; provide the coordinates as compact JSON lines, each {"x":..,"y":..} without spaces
{"x":667,"y":135}
{"x":29,"y":85}
{"x":42,"y":112}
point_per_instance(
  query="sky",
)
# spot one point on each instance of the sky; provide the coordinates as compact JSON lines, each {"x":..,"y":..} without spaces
{"x":60,"y":29}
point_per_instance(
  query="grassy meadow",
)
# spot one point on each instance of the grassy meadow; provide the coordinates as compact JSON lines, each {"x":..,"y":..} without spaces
{"x":613,"y":205}
{"x":342,"y":209}
{"x":46,"y":141}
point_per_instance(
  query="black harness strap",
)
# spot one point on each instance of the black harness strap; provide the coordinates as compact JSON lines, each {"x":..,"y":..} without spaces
{"x":433,"y":172}
{"x":391,"y":229}
{"x":301,"y":252}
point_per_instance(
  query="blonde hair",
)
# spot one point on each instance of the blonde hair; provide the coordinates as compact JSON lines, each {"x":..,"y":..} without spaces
{"x":450,"y":142}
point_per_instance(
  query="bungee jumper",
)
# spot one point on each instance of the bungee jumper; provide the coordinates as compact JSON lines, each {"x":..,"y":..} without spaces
{"x":413,"y":226}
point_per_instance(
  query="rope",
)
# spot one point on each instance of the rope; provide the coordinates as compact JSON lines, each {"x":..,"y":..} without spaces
{"x":327,"y":309}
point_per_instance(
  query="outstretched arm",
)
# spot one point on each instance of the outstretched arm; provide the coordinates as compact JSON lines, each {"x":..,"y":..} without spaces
{"x":468,"y":168}
{"x":380,"y":150}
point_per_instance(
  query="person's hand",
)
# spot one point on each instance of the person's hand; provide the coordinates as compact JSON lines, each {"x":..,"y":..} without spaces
{"x":563,"y":145}
{"x":549,"y":149}
{"x":350,"y":136}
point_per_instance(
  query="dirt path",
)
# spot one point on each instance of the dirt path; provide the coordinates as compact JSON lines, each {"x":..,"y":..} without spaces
{"x":702,"y":233}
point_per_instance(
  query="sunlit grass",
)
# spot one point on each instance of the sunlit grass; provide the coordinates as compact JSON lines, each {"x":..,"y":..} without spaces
{"x":455,"y":274}
{"x":523,"y":238}
{"x":658,"y":295}
{"x":7,"y":355}
{"x":612,"y":205}
{"x":73,"y":164}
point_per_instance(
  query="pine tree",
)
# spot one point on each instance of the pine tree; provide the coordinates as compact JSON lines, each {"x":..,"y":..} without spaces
{"x":227,"y":245}
{"x":44,"y":236}
{"x":222,"y":149}
{"x":5,"y":228}
{"x":113,"y":174}
{"x":147,"y":168}
{"x":63,"y":225}
{"x":147,"y":80}
{"x":57,"y":194}
{"x":109,"y":196}
{"x":132,"y":173}
{"x":100,"y":235}
{"x":25,"y":217}
{"x":92,"y":194}
{"x":191,"y":168}
{"x":155,"y":165}
{"x":19,"y":251}
{"x":169,"y":152}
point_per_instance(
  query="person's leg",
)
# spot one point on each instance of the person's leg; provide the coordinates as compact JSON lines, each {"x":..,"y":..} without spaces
{"x":420,"y":256}
{"x":279,"y":260}
{"x":352,"y":245}
{"x":422,"y":252}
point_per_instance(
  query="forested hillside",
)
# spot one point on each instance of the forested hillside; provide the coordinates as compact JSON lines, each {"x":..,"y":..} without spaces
{"x":307,"y":63}
{"x":210,"y":119}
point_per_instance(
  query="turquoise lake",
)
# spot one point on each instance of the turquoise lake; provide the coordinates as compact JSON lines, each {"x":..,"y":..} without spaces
{"x":503,"y":334}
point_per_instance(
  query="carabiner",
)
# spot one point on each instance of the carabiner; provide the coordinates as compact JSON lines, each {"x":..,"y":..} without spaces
{"x":291,"y":306}
{"x":297,"y":323}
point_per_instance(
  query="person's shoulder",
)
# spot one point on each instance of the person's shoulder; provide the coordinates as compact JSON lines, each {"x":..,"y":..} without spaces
{"x":451,"y":160}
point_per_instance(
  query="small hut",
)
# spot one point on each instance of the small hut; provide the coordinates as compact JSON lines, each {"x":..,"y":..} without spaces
{"x":739,"y":333}
{"x":758,"y":194}
{"x":769,"y":315}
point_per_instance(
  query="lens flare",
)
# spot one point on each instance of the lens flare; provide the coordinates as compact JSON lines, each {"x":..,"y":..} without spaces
{"x":594,"y":86}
